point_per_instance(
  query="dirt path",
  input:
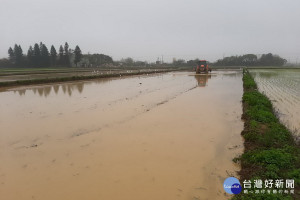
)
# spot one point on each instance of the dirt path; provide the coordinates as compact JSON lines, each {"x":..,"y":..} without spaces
{"x":167,"y":136}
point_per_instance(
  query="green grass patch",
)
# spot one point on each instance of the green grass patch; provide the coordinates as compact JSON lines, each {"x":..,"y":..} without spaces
{"x":270,"y":150}
{"x":254,"y":98}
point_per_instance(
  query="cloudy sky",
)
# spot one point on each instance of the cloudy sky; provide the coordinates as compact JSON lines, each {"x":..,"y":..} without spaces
{"x":147,"y":29}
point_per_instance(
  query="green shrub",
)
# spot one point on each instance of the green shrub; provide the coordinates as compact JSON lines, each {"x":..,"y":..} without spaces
{"x":294,"y":174}
{"x":255,"y":98}
{"x":248,"y":81}
{"x":261,"y":114}
{"x":253,"y":124}
{"x":278,"y":157}
{"x":252,"y":136}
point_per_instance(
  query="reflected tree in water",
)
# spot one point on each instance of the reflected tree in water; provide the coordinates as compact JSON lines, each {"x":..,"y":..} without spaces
{"x":70,"y":89}
{"x":40,"y":91}
{"x":56,"y":88}
{"x":80,"y":87}
{"x":21,"y":92}
{"x":46,"y":90}
{"x":64,"y":89}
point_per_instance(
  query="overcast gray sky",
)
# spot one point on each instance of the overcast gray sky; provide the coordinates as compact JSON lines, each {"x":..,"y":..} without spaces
{"x":146,"y":29}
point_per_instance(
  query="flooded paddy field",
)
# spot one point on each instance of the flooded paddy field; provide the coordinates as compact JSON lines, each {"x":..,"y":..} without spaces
{"x":282,"y":86}
{"x":162,"y":136}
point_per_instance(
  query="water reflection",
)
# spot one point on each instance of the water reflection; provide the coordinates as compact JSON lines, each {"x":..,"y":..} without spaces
{"x":21,"y":92}
{"x":202,"y":79}
{"x":67,"y":88}
{"x":56,"y":88}
{"x":46,"y":90}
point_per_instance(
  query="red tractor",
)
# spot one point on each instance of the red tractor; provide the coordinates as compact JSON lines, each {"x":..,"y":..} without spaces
{"x":202,"y":67}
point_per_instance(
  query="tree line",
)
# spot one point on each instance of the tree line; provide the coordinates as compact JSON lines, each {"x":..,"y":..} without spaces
{"x":252,"y":60}
{"x":38,"y":55}
{"x":244,"y":60}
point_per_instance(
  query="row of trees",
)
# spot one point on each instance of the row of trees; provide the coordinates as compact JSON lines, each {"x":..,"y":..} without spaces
{"x":39,"y":56}
{"x":252,"y":60}
{"x":244,"y":60}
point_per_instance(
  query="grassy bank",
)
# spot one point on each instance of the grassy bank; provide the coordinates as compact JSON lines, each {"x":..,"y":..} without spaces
{"x":270,"y":151}
{"x":74,"y":78}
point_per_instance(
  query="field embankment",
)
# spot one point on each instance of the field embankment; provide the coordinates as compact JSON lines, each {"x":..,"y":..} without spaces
{"x":11,"y":78}
{"x":270,"y":150}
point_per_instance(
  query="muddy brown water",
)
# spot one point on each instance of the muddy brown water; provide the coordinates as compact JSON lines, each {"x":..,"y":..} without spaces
{"x":166,"y":136}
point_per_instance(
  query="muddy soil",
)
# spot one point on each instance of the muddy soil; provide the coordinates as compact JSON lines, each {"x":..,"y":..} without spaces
{"x":166,"y":136}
